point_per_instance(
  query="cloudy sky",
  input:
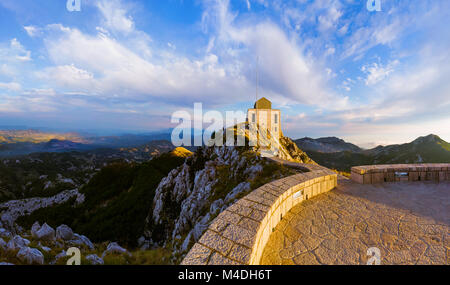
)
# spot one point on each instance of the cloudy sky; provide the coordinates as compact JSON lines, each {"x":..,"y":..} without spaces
{"x":333,"y":67}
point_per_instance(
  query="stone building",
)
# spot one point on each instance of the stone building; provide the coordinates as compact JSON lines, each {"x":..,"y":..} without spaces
{"x":265,"y":117}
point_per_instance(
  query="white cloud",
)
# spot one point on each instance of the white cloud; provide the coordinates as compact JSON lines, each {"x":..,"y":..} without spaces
{"x":330,"y":19}
{"x":376,"y":72}
{"x":39,"y":92}
{"x":285,"y":70}
{"x":249,"y":6}
{"x":32,"y":31}
{"x":69,"y":76}
{"x":411,"y":102}
{"x":120,"y":70}
{"x":22,"y":53}
{"x":382,"y":32}
{"x":7,"y":70}
{"x":12,"y":86}
{"x":171,"y":46}
{"x":28,"y":101}
{"x":115,"y":16}
{"x":111,"y":68}
{"x":347,"y":84}
{"x":14,"y":52}
{"x":343,"y":30}
{"x":330,"y":51}
{"x":330,"y":73}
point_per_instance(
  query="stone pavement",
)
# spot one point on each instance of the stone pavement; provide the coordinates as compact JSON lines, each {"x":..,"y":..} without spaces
{"x":409,"y":222}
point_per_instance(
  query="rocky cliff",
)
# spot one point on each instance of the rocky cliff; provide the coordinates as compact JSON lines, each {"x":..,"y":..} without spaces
{"x":292,"y":152}
{"x":192,"y":195}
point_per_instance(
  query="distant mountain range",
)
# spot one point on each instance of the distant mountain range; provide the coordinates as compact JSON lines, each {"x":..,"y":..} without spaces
{"x":338,"y":154}
{"x":328,"y":144}
{"x":22,"y":142}
{"x":331,"y":152}
{"x":34,"y":136}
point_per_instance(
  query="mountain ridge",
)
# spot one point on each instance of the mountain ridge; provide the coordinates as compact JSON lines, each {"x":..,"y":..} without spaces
{"x":326,"y":144}
{"x":424,"y":149}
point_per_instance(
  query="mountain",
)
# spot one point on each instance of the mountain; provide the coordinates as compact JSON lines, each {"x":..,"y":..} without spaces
{"x":126,"y":140}
{"x":117,"y":200}
{"x":148,"y":150}
{"x":342,"y":161}
{"x":158,"y":209}
{"x":17,"y":142}
{"x":22,"y":142}
{"x":167,"y":202}
{"x":45,"y":173}
{"x":427,"y":149}
{"x":35,"y":136}
{"x":55,"y":145}
{"x":326,"y":145}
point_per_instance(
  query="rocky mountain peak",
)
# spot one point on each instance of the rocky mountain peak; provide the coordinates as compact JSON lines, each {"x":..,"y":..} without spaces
{"x":427,"y":139}
{"x":331,"y":140}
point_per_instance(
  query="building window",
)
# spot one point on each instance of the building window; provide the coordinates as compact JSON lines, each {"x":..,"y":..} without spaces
{"x":276,"y":118}
{"x":276,"y":129}
{"x":253,"y":118}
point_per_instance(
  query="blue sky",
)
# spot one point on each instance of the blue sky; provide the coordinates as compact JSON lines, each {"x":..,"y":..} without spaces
{"x":333,"y":67}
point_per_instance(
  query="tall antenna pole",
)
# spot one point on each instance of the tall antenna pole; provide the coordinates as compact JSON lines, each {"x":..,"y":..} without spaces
{"x":257,"y":66}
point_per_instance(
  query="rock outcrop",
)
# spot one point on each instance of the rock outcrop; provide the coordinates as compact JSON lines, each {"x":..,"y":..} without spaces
{"x":292,"y":152}
{"x":46,"y":233}
{"x":17,"y":208}
{"x":64,"y":232}
{"x":114,"y":248}
{"x":7,"y":220}
{"x":34,"y":229}
{"x":189,"y":196}
{"x":30,"y":256}
{"x":5,"y":233}
{"x":59,"y":256}
{"x":2,"y":244}
{"x":95,"y":260}
{"x":81,"y":240}
{"x":188,"y":199}
{"x":17,"y":242}
{"x":48,"y":240}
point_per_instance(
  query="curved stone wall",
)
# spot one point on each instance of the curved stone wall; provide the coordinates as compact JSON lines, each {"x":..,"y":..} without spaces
{"x":370,"y":174}
{"x":239,"y":234}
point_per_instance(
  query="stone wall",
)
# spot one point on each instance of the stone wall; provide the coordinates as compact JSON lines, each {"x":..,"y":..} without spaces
{"x":239,"y":234}
{"x":371,"y":174}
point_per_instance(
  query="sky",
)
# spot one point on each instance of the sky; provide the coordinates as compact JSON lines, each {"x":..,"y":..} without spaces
{"x":333,"y":67}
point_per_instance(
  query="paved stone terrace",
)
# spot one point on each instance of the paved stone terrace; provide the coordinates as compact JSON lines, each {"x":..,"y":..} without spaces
{"x":239,"y":234}
{"x":408,"y":221}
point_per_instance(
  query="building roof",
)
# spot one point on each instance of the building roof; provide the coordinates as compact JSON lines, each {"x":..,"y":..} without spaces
{"x":263,"y":103}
